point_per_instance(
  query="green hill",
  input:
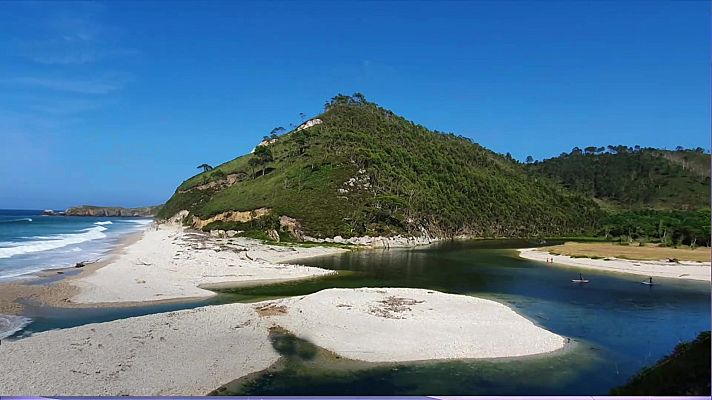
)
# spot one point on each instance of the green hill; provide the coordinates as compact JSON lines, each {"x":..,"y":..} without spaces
{"x":628,"y":178}
{"x":366,"y":171}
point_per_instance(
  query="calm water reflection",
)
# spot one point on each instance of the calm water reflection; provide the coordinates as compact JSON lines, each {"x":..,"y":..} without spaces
{"x":619,"y":325}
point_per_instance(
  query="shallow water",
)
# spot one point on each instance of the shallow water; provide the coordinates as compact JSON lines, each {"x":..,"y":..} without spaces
{"x":617,"y":324}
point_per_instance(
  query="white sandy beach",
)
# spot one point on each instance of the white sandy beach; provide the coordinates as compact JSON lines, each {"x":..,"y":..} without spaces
{"x":195,"y":351}
{"x":179,"y":353}
{"x":677,"y":270}
{"x":170,"y":263}
{"x":400,"y":324}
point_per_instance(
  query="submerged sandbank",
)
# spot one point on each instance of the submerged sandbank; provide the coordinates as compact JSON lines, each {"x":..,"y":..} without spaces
{"x":192,"y":352}
{"x":691,"y":270}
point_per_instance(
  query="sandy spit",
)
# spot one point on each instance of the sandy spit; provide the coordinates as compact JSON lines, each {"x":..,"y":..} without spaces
{"x":193,"y":352}
{"x":400,"y":324}
{"x":170,"y":263}
{"x":678,"y":270}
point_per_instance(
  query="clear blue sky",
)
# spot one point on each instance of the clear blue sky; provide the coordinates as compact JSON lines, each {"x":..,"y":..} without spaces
{"x":117,"y":103}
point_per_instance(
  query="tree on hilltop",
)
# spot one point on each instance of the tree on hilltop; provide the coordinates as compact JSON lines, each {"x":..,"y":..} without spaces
{"x":274,"y":133}
{"x":205,"y":167}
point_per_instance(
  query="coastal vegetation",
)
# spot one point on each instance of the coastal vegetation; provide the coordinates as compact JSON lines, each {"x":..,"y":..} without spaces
{"x":649,"y":195}
{"x":366,"y":171}
{"x":685,"y":372}
{"x":633,"y":177}
{"x":359,"y":169}
{"x":205,"y":167}
{"x":664,"y":227}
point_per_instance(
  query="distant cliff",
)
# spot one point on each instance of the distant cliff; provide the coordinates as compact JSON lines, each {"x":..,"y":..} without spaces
{"x":96,"y":211}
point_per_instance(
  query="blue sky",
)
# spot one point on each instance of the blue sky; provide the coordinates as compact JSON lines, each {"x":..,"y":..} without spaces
{"x":117,"y":103}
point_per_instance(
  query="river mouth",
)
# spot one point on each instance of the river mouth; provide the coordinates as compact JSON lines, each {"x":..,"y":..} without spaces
{"x":620,"y":325}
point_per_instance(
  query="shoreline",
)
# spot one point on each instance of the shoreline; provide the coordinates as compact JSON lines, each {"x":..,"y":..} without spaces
{"x":52,"y":286}
{"x":147,"y":268}
{"x":697,"y":271}
{"x":372,"y":325}
{"x":171,"y":263}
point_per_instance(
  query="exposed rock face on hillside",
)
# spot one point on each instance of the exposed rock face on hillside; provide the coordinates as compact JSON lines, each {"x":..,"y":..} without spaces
{"x":97,"y":211}
{"x":231,"y":216}
{"x":309,"y":124}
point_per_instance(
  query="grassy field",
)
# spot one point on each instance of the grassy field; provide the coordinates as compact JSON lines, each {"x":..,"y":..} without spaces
{"x":631,"y":252}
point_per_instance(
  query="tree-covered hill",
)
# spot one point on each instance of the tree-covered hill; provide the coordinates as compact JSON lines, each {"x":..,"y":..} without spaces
{"x":360,"y":169}
{"x":625,"y":177}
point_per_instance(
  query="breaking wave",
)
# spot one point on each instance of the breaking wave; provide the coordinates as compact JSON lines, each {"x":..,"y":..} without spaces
{"x":12,"y":221}
{"x":44,"y":243}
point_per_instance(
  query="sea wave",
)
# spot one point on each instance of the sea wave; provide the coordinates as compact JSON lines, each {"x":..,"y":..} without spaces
{"x":140,"y":221}
{"x":103,"y":223}
{"x":44,"y":243}
{"x":10,"y":324}
{"x":16,"y":220}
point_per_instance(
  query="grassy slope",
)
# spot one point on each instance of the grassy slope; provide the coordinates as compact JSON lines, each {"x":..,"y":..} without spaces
{"x":686,"y":372}
{"x":416,"y":178}
{"x":646,"y":178}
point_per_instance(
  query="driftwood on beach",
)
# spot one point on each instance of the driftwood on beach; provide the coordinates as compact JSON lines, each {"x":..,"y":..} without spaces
{"x":82,"y":264}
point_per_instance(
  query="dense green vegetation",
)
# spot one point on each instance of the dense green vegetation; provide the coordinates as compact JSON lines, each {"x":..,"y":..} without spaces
{"x":667,"y":227}
{"x":365,"y":170}
{"x":633,"y":177}
{"x":686,"y":372}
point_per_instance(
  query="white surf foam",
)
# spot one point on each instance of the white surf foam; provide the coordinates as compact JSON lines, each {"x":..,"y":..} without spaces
{"x":141,"y":221}
{"x":9,"y":249}
{"x":9,"y":324}
{"x":17,"y":220}
{"x":103,"y":223}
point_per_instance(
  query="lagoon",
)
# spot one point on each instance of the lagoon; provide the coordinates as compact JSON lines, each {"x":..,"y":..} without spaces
{"x":617,"y":325}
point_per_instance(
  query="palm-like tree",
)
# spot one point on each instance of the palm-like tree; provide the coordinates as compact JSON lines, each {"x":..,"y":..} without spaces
{"x":205,"y":167}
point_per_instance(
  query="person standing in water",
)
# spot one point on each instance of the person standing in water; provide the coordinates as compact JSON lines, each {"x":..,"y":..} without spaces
{"x":650,"y":279}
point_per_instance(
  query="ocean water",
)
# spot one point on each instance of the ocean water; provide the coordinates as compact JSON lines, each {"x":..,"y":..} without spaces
{"x":31,"y":242}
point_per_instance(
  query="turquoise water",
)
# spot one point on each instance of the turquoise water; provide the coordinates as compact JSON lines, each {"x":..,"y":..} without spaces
{"x":617,"y":325}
